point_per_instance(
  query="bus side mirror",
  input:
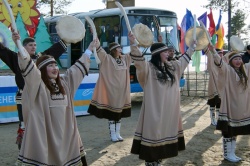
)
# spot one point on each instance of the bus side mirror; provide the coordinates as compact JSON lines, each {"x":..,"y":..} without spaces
{"x":179,"y":35}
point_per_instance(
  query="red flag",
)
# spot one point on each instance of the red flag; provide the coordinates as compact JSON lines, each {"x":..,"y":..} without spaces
{"x":211,"y":28}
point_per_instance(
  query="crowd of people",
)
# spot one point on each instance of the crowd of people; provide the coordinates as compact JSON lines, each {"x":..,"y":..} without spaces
{"x":48,"y":132}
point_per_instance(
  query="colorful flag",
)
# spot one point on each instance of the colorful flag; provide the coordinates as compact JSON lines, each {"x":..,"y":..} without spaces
{"x":220,"y":33}
{"x":187,"y":22}
{"x":211,"y":28}
{"x":219,"y":21}
{"x":182,"y":39}
{"x":220,"y":37}
{"x":189,"y":19}
{"x":203,"y":18}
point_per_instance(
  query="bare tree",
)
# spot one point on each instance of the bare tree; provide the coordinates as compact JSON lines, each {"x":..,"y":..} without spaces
{"x":221,"y":4}
{"x":55,"y":6}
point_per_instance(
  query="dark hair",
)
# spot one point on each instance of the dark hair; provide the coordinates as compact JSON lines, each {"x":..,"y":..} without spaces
{"x":241,"y":72}
{"x":46,"y":78}
{"x":171,"y":48}
{"x":156,"y":61}
{"x":28,"y":40}
{"x":248,"y":47}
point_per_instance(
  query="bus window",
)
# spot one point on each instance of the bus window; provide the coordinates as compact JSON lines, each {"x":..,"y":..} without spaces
{"x":76,"y":51}
{"x":88,"y":36}
{"x":169,"y":31}
{"x":52,"y":28}
{"x":107,"y":29}
{"x":53,"y":34}
{"x":136,"y":19}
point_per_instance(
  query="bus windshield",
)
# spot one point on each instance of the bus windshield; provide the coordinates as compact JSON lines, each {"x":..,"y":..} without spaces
{"x":167,"y":26}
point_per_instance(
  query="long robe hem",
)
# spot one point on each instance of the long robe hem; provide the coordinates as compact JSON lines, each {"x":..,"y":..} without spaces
{"x":107,"y":114}
{"x":160,"y":152}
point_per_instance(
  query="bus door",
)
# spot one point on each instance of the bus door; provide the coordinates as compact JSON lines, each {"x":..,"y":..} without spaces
{"x":108,"y":30}
{"x":76,"y":51}
{"x":86,"y":41}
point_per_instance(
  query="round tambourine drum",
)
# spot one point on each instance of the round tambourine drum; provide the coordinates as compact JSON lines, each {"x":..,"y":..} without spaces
{"x":236,"y":43}
{"x":201,"y":38}
{"x":70,"y":29}
{"x":143,"y":35}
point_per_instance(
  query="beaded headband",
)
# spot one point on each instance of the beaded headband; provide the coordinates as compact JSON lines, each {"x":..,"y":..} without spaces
{"x":45,"y":62}
{"x":158,"y":50}
{"x":115,"y":46}
{"x":234,"y":56}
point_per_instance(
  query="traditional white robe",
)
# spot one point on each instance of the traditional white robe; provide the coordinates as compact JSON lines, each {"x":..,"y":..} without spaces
{"x":111,"y":99}
{"x":159,"y":131}
{"x":234,"y":117}
{"x":51,"y":134}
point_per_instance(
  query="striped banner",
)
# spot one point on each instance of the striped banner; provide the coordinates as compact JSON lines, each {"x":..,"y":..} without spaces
{"x":8,"y":88}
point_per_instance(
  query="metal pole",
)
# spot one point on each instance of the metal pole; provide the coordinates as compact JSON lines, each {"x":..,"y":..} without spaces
{"x":229,"y":24}
{"x":51,"y":8}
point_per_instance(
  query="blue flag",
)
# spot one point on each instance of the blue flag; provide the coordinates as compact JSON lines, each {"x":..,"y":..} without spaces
{"x":219,"y":21}
{"x":189,"y":19}
{"x":187,"y":22}
{"x":203,"y":18}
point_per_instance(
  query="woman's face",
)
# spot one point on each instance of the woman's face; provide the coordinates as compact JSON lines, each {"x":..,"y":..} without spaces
{"x":52,"y":70}
{"x":118,"y":51}
{"x":236,"y":62}
{"x":220,"y":54}
{"x":164,"y":56}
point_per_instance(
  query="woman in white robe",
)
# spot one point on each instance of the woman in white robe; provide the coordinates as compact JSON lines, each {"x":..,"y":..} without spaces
{"x":52,"y":136}
{"x":111,"y":98}
{"x":159,"y":132}
{"x":233,"y":86}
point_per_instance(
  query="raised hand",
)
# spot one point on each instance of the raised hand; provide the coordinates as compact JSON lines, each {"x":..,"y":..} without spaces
{"x":93,"y":44}
{"x":15,"y":36}
{"x":131,"y":38}
{"x":97,"y":43}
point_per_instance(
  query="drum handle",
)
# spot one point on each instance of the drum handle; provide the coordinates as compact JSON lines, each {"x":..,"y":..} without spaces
{"x":204,"y":28}
{"x":23,"y":52}
{"x":126,"y":18}
{"x":89,"y":20}
{"x":194,"y":32}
